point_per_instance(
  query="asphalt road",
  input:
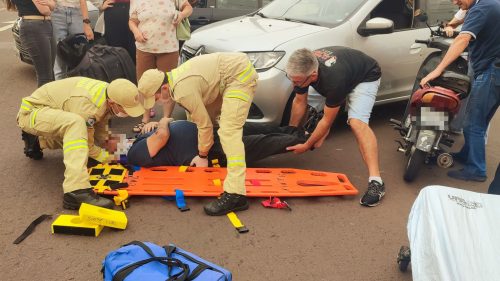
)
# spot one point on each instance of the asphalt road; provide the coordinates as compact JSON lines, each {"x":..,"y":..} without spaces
{"x":321,"y":239}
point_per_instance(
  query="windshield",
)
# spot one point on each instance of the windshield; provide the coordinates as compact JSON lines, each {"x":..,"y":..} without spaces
{"x":320,"y":12}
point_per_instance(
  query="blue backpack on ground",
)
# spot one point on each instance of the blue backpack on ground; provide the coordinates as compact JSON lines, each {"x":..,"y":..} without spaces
{"x":147,"y":261}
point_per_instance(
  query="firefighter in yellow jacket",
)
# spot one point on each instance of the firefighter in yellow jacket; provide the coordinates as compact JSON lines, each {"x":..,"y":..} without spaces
{"x":208,"y":87}
{"x":72,"y":114}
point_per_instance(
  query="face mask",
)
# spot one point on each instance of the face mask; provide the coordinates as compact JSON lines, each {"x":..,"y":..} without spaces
{"x":118,"y":114}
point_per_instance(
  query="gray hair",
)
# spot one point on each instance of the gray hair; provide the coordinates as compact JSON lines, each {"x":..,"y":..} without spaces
{"x":302,"y":62}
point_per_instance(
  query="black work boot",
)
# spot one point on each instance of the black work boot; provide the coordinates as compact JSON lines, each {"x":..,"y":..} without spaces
{"x":226,"y":203}
{"x":72,"y":200}
{"x":31,"y":146}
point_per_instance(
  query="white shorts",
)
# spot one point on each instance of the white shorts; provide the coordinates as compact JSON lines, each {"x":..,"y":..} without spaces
{"x":360,"y":101}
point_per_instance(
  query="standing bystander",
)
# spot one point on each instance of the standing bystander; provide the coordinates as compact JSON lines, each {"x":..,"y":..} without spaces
{"x":479,"y":33}
{"x":153,"y":24}
{"x":36,"y":35}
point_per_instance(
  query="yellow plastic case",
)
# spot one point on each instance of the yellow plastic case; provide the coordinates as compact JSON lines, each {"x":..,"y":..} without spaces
{"x":103,"y":216}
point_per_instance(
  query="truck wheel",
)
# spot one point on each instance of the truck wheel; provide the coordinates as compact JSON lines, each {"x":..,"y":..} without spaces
{"x":415,"y":161}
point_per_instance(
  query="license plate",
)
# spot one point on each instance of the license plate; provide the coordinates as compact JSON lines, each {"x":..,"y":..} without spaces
{"x":432,"y":119}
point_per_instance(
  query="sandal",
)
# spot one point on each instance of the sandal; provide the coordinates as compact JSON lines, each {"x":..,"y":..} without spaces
{"x":138,"y":128}
{"x":152,"y":113}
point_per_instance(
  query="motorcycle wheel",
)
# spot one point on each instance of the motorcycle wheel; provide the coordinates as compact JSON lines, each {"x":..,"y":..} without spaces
{"x":415,"y":161}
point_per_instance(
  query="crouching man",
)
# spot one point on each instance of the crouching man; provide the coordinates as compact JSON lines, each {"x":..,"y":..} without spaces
{"x":72,"y":114}
{"x":341,"y":75}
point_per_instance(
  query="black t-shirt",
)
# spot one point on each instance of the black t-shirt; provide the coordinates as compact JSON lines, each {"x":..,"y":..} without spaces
{"x":340,"y":70}
{"x":26,"y":8}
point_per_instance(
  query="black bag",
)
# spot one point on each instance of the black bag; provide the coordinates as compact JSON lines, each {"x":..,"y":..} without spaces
{"x":73,"y":48}
{"x":106,"y":63}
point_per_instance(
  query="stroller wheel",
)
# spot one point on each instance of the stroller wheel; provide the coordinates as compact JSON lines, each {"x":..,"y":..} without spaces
{"x":404,"y":258}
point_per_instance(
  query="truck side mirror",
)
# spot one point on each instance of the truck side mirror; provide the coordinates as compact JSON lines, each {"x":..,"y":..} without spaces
{"x":376,"y":26}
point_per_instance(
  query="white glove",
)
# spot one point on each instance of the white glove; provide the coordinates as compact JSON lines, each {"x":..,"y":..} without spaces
{"x":199,"y":162}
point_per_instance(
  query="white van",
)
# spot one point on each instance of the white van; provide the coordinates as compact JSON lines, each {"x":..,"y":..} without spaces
{"x":383,"y":29}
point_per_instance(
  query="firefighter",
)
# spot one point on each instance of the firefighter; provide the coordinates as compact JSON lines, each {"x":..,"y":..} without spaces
{"x":72,"y":114}
{"x":215,"y":89}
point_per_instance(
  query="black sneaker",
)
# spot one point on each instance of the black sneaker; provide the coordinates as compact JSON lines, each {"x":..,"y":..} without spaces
{"x":373,"y":194}
{"x":31,"y":146}
{"x":72,"y":200}
{"x":226,"y":203}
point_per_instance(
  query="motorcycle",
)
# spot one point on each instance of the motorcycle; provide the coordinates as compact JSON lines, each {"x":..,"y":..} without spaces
{"x":425,"y":126}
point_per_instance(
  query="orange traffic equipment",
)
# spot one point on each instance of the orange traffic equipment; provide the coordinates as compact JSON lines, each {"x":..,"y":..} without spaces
{"x":260,"y":182}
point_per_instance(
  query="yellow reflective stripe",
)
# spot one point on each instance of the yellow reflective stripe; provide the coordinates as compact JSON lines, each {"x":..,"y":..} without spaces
{"x":76,"y":144}
{"x":33,"y":117}
{"x":175,"y":74}
{"x":95,"y":88}
{"x":238,"y":95}
{"x":236,"y":161}
{"x":26,"y":105}
{"x":71,"y":143}
{"x":103,"y":155}
{"x":75,"y":147}
{"x":246,"y":73}
{"x":170,"y":78}
{"x":26,"y":102}
{"x":99,"y":96}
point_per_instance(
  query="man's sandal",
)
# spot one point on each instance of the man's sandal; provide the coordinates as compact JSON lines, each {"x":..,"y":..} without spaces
{"x":138,"y":128}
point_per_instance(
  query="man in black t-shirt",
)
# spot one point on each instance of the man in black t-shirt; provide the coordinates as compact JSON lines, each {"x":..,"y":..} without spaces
{"x":176,"y":143}
{"x":341,"y":75}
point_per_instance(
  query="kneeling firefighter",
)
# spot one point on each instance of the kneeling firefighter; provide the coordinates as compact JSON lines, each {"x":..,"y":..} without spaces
{"x":72,"y":114}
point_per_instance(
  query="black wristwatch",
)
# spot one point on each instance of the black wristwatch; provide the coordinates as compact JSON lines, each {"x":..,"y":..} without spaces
{"x":87,"y":21}
{"x":202,"y":157}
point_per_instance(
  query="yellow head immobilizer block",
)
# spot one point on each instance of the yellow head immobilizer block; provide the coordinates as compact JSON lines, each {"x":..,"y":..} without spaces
{"x":103,"y":216}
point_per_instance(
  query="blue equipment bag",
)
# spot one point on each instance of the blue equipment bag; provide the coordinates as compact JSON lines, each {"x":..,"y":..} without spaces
{"x":147,"y":261}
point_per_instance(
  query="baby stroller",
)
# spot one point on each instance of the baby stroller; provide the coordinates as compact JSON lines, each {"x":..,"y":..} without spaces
{"x":454,"y":235}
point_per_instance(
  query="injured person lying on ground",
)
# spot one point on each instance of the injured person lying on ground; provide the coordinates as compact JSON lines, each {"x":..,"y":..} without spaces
{"x":175,"y":143}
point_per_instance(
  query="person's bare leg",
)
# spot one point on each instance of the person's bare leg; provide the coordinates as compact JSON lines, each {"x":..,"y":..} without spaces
{"x":367,"y":143}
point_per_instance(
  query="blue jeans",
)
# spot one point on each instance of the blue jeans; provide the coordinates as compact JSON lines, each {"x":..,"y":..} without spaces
{"x":483,"y":103}
{"x":66,"y":21}
{"x":36,"y":37}
{"x":457,"y":123}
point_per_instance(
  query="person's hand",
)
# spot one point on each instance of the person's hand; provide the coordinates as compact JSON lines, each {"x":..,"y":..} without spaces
{"x":178,"y":18}
{"x":431,"y":76}
{"x":149,"y":127}
{"x":107,"y":4}
{"x":165,"y":121}
{"x":449,"y":31}
{"x":199,"y":162}
{"x":140,"y":37}
{"x":299,"y":148}
{"x":87,"y":30}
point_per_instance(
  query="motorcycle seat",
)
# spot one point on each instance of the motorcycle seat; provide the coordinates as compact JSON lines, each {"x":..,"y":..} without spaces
{"x":459,"y":83}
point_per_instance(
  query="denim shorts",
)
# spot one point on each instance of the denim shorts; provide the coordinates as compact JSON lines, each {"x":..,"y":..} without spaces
{"x":360,"y":101}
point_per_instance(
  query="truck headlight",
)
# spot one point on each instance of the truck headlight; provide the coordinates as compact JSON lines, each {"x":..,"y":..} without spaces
{"x":262,"y":61}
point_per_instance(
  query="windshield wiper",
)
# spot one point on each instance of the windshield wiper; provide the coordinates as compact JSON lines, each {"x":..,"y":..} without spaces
{"x":261,"y":15}
{"x":301,"y":21}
